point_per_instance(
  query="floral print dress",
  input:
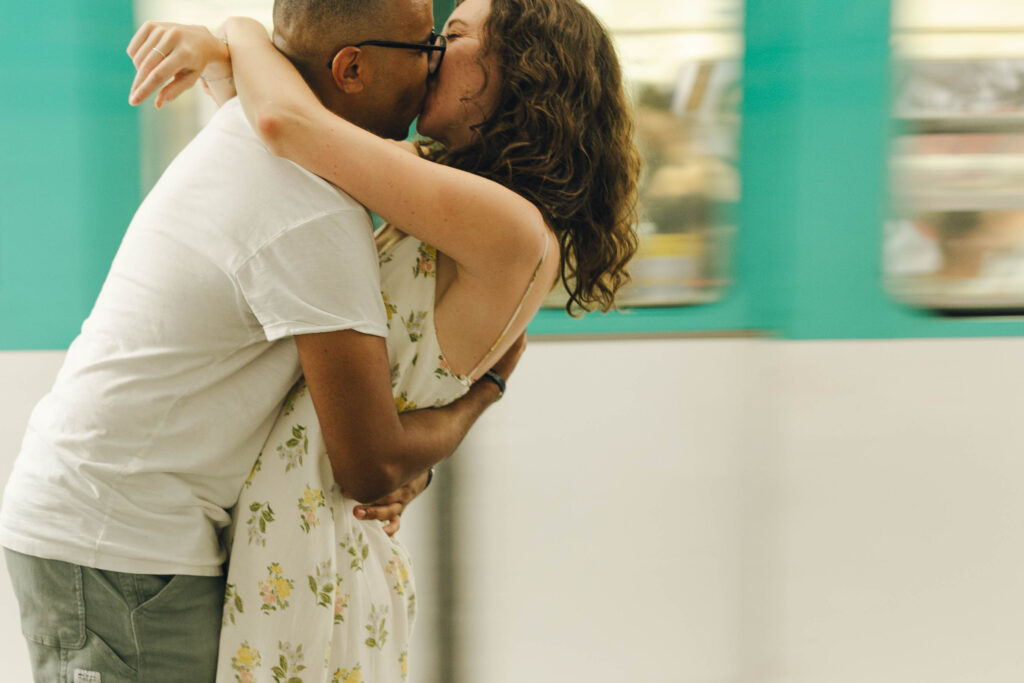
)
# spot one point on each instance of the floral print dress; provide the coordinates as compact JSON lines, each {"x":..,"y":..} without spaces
{"x":313,"y":594}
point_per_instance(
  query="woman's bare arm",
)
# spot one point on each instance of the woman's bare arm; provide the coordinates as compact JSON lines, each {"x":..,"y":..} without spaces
{"x":478,"y":223}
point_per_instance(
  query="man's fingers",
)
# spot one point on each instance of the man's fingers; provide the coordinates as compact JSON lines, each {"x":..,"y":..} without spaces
{"x":392,"y":527}
{"x":380,"y":512}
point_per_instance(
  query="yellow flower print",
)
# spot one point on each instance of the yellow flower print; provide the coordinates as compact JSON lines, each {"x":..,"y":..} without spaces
{"x":353,"y":675}
{"x":403,"y":661}
{"x":283,"y":587}
{"x":397,"y":570}
{"x":312,"y":496}
{"x":275,"y":589}
{"x":403,"y":404}
{"x":257,"y":466}
{"x":245,"y":663}
{"x":389,"y":307}
{"x":245,"y":656}
{"x":311,"y":501}
{"x":426,"y":262}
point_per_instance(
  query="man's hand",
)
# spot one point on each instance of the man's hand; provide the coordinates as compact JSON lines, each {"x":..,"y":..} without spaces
{"x":390,"y":508}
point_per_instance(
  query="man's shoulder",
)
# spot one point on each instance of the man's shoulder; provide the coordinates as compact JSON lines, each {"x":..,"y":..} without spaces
{"x":278,"y":175}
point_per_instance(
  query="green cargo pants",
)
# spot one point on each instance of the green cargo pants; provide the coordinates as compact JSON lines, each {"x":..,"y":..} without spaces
{"x":87,"y":625}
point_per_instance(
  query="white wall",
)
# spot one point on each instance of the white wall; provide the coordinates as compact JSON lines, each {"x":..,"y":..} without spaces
{"x":24,"y":378}
{"x":710,"y":511}
{"x":723,"y":510}
{"x":601,"y":529}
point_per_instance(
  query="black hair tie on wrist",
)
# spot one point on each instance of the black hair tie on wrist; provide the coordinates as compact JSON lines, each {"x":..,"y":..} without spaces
{"x":497,"y":379}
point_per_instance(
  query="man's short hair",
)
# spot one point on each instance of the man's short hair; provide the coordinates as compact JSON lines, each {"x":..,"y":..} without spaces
{"x":312,"y":29}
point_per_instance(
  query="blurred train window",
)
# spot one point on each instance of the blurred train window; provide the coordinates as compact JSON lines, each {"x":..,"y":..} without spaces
{"x":164,"y":133}
{"x":954,"y":243}
{"x":682,"y":63}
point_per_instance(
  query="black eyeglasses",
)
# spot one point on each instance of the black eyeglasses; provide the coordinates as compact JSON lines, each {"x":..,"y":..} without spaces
{"x":434,"y":47}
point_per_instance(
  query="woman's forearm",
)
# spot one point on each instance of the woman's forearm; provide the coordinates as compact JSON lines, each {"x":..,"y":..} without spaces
{"x":218,"y":77}
{"x":473,"y":220}
{"x":265,"y":79}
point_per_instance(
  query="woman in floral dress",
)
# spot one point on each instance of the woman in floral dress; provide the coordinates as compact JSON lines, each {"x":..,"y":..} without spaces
{"x":531,"y":149}
{"x":314,"y":593}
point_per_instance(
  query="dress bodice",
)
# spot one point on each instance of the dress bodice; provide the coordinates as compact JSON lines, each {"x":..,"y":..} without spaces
{"x":420,"y":375}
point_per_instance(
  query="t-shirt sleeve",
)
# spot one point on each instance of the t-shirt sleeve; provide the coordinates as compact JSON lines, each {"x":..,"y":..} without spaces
{"x":319,"y":276}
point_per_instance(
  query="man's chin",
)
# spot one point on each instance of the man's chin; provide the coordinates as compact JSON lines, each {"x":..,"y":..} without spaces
{"x":398,"y":131}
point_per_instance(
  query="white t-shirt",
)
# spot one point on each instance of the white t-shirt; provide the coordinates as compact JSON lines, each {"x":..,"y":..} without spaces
{"x":167,"y":395}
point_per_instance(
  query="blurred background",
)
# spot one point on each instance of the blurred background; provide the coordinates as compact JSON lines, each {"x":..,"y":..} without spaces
{"x":793,"y":457}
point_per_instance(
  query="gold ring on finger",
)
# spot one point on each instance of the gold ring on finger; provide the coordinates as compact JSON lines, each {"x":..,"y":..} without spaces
{"x":160,"y":52}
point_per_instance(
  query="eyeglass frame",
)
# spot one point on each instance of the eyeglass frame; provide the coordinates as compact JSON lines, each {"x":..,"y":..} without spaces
{"x":428,"y":47}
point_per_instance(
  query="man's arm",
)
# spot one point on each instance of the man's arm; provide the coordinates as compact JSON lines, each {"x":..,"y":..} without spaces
{"x":373,"y":450}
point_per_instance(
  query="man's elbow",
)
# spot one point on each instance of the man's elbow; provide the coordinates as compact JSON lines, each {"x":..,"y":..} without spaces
{"x":367,"y":480}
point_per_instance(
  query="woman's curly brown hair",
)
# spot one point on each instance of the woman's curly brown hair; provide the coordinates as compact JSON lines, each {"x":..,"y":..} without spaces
{"x":562,"y":136}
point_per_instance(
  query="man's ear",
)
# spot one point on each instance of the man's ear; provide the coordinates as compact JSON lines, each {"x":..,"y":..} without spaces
{"x":349,"y":70}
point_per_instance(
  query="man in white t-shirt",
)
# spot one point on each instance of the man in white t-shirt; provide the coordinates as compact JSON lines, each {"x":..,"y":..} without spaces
{"x":111,"y":517}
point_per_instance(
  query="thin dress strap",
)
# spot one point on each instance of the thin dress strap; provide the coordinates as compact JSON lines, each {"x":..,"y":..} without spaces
{"x":522,"y":302}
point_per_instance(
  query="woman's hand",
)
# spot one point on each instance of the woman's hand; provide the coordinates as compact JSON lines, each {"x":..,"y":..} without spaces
{"x":390,"y":508}
{"x":163,"y":51}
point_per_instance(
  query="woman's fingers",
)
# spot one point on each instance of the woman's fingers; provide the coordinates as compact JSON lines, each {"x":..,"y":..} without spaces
{"x":149,"y":50}
{"x":151,"y":72}
{"x":162,"y":52}
{"x":181,"y":83}
{"x":139,"y":38}
{"x":179,"y":66}
{"x":155,"y":44}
